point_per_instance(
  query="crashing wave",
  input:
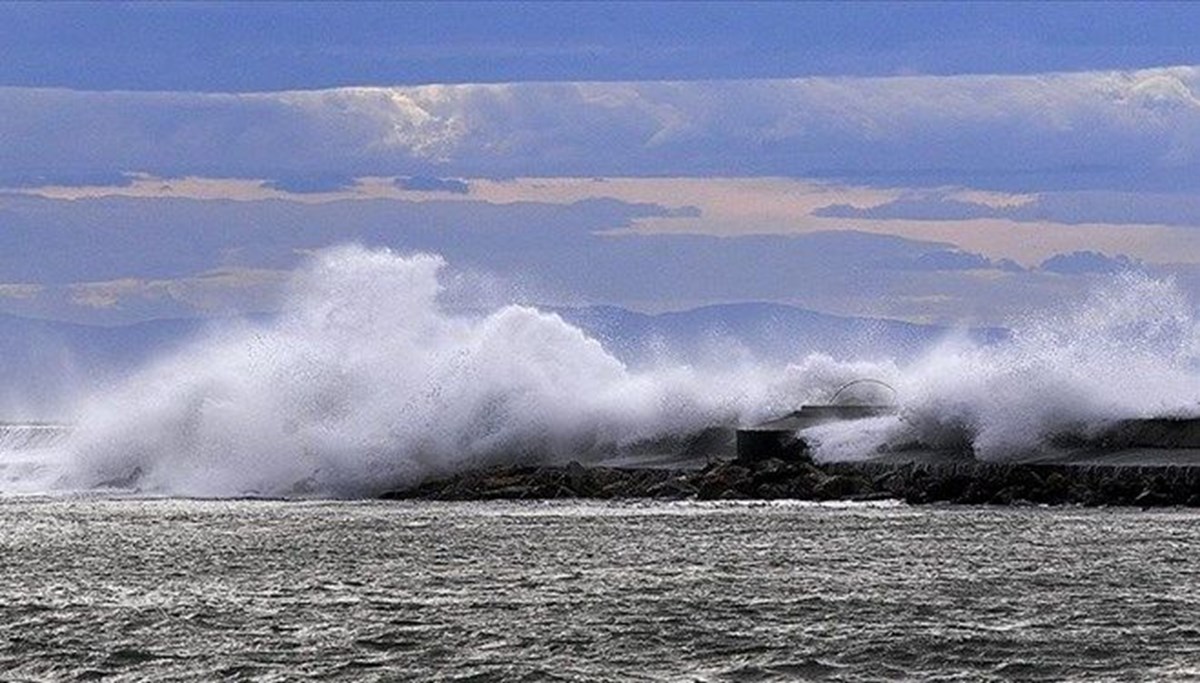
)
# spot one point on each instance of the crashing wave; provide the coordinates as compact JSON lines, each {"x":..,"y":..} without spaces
{"x":366,"y":382}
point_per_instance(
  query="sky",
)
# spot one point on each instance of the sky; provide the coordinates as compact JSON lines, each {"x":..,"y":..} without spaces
{"x":933,"y":162}
{"x":248,"y":47}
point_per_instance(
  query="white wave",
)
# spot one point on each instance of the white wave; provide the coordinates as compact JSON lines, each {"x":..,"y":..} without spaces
{"x":1131,"y":350}
{"x":366,"y":382}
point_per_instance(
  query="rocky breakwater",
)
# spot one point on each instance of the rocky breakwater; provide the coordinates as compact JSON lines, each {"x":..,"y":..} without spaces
{"x":965,"y":482}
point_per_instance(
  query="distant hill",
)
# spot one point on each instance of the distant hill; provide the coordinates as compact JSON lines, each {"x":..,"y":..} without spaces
{"x":42,"y":361}
{"x":116,"y":346}
{"x":767,"y":331}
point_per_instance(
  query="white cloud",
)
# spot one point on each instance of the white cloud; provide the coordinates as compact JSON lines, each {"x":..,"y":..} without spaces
{"x":1114,"y":121}
{"x":19,"y":291}
{"x":224,"y":291}
{"x":1084,"y":262}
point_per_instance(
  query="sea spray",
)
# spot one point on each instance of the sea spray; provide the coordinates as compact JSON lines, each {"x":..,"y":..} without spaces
{"x":1130,"y":350}
{"x":365,"y":382}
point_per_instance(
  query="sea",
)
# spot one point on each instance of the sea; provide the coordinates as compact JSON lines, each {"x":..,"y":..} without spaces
{"x":130,"y":589}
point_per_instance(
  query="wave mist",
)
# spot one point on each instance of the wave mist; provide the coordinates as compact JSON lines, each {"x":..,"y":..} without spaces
{"x":368,"y":382}
{"x":1130,"y":350}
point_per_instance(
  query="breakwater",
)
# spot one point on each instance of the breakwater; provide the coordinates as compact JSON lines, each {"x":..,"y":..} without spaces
{"x":964,"y":482}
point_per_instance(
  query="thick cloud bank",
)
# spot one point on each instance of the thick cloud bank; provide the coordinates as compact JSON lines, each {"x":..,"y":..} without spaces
{"x":1107,"y":122}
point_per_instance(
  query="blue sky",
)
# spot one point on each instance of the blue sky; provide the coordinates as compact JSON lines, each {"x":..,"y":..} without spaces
{"x":221,"y":47}
{"x":945,"y":162}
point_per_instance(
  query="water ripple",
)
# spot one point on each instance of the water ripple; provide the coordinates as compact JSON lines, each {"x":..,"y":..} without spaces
{"x":245,"y":590}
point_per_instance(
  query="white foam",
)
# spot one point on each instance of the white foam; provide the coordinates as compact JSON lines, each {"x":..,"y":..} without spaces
{"x":367,"y":382}
{"x":1130,"y":350}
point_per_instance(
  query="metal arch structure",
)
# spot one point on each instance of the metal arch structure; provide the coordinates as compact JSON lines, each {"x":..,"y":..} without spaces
{"x":865,"y":380}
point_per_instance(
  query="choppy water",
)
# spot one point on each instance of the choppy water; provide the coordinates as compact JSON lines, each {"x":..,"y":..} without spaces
{"x":158,"y":589}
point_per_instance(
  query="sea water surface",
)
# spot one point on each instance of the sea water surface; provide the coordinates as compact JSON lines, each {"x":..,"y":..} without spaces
{"x":170,"y":589}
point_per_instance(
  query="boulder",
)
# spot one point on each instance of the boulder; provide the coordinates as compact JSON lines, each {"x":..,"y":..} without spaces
{"x":676,"y":488}
{"x":723,"y":481}
{"x":841,"y":487}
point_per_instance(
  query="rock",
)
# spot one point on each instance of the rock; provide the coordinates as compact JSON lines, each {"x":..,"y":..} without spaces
{"x":614,"y":489}
{"x":617,"y":482}
{"x":773,"y":491}
{"x":508,"y":493}
{"x":801,"y":486}
{"x":772,"y":472}
{"x":953,"y":486}
{"x":675,"y":489}
{"x":976,"y":493}
{"x":840,"y":487}
{"x":577,"y":477}
{"x":1115,"y":489}
{"x":965,"y":482}
{"x":1008,"y":495}
{"x":1150,"y":498}
{"x":1056,"y":490}
{"x":723,"y":481}
{"x":872,"y":496}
